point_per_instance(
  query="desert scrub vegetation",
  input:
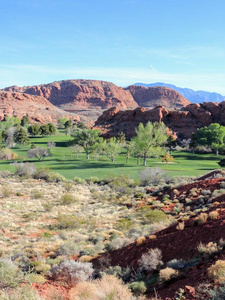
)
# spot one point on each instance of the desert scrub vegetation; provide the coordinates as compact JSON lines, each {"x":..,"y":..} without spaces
{"x":217,"y":271}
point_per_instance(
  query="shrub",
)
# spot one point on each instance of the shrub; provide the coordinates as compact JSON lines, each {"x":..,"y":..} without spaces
{"x":167,"y":158}
{"x":201,"y":219}
{"x":68,"y":199}
{"x":78,"y":180}
{"x":71,"y":272}
{"x":36,"y":194}
{"x":7,"y":154}
{"x":42,"y":173}
{"x":20,"y":293}
{"x":109,"y":287}
{"x":55,"y":177}
{"x":10,"y":275}
{"x":167,"y":274}
{"x":138,"y":287}
{"x":140,"y":240}
{"x":152,"y":176}
{"x":209,"y":249}
{"x":123,"y":273}
{"x":69,"y":248}
{"x":213,"y":215}
{"x":151,"y":216}
{"x":25,"y":169}
{"x":217,"y":271}
{"x":150,"y":261}
{"x":180,"y":226}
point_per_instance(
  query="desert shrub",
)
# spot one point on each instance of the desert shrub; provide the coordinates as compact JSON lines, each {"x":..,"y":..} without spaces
{"x":150,"y":261}
{"x":40,"y":267}
{"x":140,"y":240}
{"x":109,"y":287}
{"x":36,"y":194}
{"x":117,"y":243}
{"x":20,"y":293}
{"x":42,"y":173}
{"x":209,"y":249}
{"x":71,"y":272}
{"x":167,"y":274}
{"x":213,"y":215}
{"x":153,"y":176}
{"x":123,"y":273}
{"x":68,"y":186}
{"x":5,"y":191}
{"x":55,"y":177}
{"x":151,"y":216}
{"x":7,"y":154}
{"x":69,"y":248}
{"x":68,"y":199}
{"x":138,"y":287}
{"x":176,"y":264}
{"x":217,"y":271}
{"x":24,"y":169}
{"x":180,"y":226}
{"x":93,"y":179}
{"x":10,"y":275}
{"x":69,"y":221}
{"x":201,"y":219}
{"x":78,"y":180}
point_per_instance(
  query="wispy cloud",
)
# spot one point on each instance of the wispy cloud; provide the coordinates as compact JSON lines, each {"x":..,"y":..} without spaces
{"x":33,"y":74}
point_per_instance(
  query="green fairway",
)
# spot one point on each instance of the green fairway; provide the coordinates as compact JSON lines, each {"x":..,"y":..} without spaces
{"x":66,"y":163}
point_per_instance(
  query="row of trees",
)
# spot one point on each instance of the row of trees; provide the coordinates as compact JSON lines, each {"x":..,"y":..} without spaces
{"x":149,"y":141}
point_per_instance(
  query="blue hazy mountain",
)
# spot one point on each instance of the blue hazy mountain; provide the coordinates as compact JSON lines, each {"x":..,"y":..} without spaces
{"x":191,"y":95}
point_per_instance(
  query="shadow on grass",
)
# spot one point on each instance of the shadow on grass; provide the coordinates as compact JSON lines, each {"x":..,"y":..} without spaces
{"x":196,"y":157}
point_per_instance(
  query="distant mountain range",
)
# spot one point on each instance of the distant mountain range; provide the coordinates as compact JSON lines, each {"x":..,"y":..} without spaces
{"x":191,"y":95}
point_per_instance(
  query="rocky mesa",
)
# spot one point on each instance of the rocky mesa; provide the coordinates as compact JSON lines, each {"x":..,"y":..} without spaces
{"x":182,"y":122}
{"x":150,"y":97}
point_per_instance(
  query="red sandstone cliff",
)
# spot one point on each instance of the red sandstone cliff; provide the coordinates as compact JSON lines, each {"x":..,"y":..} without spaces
{"x":183,"y":123}
{"x":153,"y":96}
{"x":37,"y":108}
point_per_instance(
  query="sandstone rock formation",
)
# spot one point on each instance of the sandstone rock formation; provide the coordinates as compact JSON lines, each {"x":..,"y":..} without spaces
{"x":150,"y":97}
{"x":182,"y":122}
{"x":81,"y":94}
{"x":37,"y":108}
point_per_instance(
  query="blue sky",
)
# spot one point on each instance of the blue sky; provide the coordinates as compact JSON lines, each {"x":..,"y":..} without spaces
{"x":181,"y":42}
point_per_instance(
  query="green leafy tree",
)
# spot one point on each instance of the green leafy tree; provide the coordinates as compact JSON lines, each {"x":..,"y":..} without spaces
{"x":25,"y":121}
{"x":34,"y":130}
{"x":212,"y":136}
{"x":61,"y":122}
{"x":20,"y":136}
{"x":112,"y":148}
{"x":150,"y":139}
{"x":171,"y":143}
{"x":51,"y":128}
{"x":87,"y":138}
{"x":44,"y":129}
{"x":68,"y":124}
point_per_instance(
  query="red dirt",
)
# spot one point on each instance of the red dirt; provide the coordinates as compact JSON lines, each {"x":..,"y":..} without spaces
{"x":48,"y":290}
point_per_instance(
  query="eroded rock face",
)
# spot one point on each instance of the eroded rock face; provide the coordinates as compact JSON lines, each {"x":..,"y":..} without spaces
{"x":37,"y":108}
{"x":152,"y":96}
{"x":183,"y":122}
{"x":82,"y":94}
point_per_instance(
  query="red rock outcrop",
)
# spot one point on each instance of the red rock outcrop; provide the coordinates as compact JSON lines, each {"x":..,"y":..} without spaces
{"x":37,"y":108}
{"x":150,"y":97}
{"x":81,"y":94}
{"x":182,"y":122}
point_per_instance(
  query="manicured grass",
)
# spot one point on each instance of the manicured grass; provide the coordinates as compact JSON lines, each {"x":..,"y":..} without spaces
{"x":66,"y":163}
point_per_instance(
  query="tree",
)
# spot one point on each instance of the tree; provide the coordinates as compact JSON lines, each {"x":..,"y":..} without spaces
{"x":51,"y":128}
{"x":44,"y":129}
{"x":21,"y":136}
{"x":34,"y":130}
{"x":68,"y":124}
{"x":212,"y":136}
{"x":25,"y":121}
{"x":171,"y":143}
{"x":150,"y":139}
{"x":38,"y":152}
{"x":87,"y":138}
{"x":61,"y":122}
{"x":112,"y":148}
